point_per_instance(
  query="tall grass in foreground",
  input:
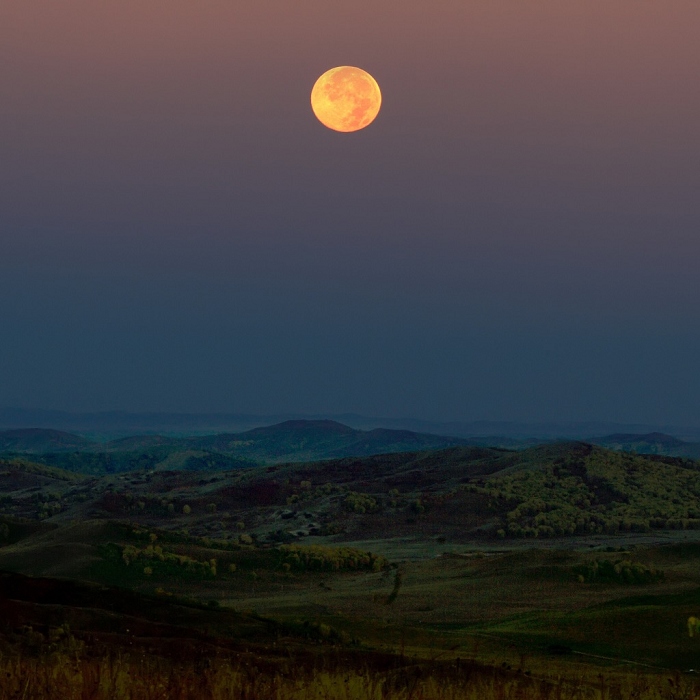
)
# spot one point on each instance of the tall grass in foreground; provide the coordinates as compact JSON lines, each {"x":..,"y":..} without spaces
{"x":122,"y":678}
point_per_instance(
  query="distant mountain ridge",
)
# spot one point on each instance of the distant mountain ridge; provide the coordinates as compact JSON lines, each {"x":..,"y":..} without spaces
{"x":650,"y":443}
{"x":302,"y":440}
{"x":290,"y":441}
{"x":111,"y":424}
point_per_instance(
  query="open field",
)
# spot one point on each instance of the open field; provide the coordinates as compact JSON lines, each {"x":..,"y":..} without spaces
{"x":498,"y":604}
{"x":123,"y":658}
{"x":406,"y":557}
{"x":60,"y":638}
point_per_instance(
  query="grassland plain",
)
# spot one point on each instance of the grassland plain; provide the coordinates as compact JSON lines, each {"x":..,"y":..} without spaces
{"x":125,"y":678}
{"x":409,"y":557}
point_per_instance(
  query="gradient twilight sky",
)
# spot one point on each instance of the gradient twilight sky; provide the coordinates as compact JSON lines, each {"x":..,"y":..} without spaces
{"x":517,"y":236}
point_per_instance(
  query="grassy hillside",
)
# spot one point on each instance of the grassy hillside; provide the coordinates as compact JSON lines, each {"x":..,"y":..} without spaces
{"x":74,"y":641}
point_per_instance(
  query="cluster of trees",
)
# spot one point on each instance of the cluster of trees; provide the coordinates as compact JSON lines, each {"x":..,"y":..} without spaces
{"x":48,"y":504}
{"x":621,"y":571}
{"x":602,"y":493}
{"x":142,"y":534}
{"x":320,"y":558}
{"x":417,"y":506}
{"x":151,"y":557}
{"x":155,"y":559}
{"x":307,"y":493}
{"x":330,"y":529}
{"x":46,"y":510}
{"x":356,"y":502}
{"x":351,"y":501}
{"x":125,"y":501}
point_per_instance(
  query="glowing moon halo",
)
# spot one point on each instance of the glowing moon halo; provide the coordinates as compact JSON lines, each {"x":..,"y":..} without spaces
{"x":346,"y":99}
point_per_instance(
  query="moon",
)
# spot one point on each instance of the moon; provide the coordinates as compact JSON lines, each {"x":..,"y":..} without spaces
{"x":346,"y":99}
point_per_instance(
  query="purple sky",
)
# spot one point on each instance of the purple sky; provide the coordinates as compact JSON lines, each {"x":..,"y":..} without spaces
{"x":516,"y":237}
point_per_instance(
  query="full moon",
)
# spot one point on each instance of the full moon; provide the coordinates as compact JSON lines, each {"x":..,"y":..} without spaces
{"x":346,"y":99}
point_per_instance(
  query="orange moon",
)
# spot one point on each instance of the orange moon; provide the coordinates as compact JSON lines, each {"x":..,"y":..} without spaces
{"x":346,"y":99}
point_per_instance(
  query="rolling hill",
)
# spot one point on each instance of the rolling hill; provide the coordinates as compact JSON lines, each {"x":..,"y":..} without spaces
{"x":544,"y":546}
{"x":302,"y":440}
{"x":38,"y":440}
{"x":650,"y":443}
{"x":462,"y":493}
{"x":289,"y":441}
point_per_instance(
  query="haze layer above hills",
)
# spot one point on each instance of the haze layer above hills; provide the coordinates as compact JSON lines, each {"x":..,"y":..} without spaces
{"x":109,"y":425}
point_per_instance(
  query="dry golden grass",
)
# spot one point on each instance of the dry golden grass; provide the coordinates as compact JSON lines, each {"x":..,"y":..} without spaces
{"x":148,"y":678}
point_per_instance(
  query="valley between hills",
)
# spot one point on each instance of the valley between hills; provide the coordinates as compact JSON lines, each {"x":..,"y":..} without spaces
{"x":562,"y":555}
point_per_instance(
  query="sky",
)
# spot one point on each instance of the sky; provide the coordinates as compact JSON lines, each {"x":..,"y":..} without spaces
{"x":516,"y":237}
